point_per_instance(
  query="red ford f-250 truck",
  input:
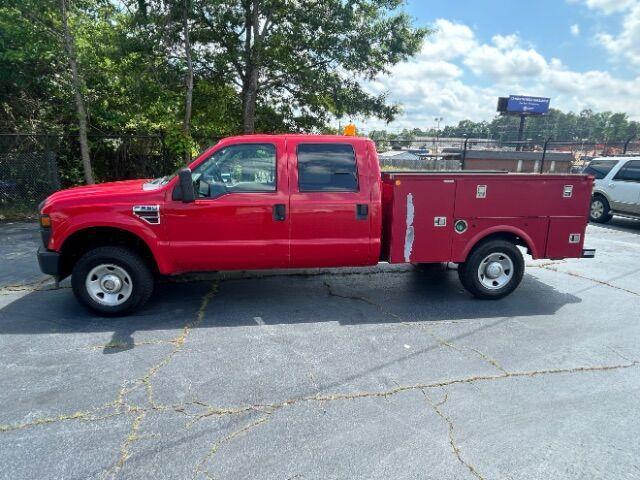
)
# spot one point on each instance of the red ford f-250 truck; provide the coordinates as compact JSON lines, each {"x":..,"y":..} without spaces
{"x":297,"y":201}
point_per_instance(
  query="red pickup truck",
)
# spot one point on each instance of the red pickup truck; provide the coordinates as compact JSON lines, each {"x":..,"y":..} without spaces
{"x":298,"y":201}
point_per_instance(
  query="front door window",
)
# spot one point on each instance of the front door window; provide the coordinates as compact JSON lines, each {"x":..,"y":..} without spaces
{"x":240,"y":168}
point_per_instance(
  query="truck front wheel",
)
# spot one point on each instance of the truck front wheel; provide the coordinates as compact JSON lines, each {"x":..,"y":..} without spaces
{"x":112,"y":280}
{"x":493,"y":269}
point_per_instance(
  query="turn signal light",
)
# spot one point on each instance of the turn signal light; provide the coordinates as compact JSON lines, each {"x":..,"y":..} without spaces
{"x":45,"y":221}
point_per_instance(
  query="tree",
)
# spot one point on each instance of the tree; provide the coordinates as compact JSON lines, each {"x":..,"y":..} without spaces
{"x":28,"y":58}
{"x":76,"y":82}
{"x":585,"y":127}
{"x":307,"y":59}
{"x":186,"y":125}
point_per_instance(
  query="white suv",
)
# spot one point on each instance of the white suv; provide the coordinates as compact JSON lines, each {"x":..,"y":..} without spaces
{"x":617,"y":187}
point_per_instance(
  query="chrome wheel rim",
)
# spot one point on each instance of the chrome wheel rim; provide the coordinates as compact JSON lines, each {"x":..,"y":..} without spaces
{"x":495,"y":270}
{"x":597,"y":209}
{"x":109,"y":285}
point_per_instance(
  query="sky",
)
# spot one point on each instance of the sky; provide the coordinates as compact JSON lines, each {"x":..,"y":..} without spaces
{"x":580,"y":53}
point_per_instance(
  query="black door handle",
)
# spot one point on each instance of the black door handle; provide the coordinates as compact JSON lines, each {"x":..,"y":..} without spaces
{"x":362,"y":211}
{"x":279,"y":212}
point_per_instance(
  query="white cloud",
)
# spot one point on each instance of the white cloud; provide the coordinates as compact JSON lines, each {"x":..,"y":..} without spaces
{"x":443,"y":80}
{"x":592,"y":89}
{"x":625,"y":46}
{"x":607,"y":6}
{"x":505,"y":42}
{"x":449,"y":41}
{"x":622,"y":46}
{"x":427,"y":69}
{"x":575,"y":30}
{"x":498,"y":63}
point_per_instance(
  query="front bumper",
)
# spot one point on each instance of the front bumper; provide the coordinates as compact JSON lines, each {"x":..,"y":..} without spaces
{"x":49,"y":262}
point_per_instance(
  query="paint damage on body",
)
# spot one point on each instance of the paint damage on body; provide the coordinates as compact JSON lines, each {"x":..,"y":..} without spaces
{"x":409,"y":235}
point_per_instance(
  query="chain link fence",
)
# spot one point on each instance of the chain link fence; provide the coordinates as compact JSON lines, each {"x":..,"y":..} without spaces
{"x":34,"y":166}
{"x":28,"y":171}
{"x":465,"y":153}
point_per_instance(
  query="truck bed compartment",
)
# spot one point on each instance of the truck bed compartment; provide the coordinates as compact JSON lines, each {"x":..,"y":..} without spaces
{"x":438,"y":217}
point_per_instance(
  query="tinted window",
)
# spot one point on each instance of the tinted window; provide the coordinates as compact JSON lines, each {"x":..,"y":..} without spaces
{"x":327,"y":167}
{"x":249,"y":167}
{"x":630,"y":172}
{"x":599,"y":168}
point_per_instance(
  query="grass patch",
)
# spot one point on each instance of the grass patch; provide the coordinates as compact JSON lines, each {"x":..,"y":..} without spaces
{"x":18,"y":213}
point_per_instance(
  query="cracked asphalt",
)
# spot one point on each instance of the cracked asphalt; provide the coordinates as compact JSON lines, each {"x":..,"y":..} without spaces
{"x":392,"y":372}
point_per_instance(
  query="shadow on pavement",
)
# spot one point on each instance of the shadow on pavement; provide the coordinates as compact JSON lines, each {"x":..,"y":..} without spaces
{"x":621,"y":224}
{"x":348,"y":299}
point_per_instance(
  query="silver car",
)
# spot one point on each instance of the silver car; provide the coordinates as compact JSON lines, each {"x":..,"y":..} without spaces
{"x":617,"y":187}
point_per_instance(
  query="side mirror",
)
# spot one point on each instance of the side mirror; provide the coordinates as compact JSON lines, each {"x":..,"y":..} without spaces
{"x":187,"y":191}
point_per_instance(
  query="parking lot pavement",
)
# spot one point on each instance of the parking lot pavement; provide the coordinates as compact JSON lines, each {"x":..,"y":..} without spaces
{"x":377,"y":373}
{"x":18,"y":242}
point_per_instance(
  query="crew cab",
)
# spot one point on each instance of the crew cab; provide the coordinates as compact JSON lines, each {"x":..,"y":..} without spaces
{"x":617,"y":188}
{"x":299,"y":201}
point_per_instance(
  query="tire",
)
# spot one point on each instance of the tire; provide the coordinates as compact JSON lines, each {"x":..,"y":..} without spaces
{"x":599,"y":209}
{"x":112,"y":280}
{"x":504,"y":260}
{"x":462,"y":275}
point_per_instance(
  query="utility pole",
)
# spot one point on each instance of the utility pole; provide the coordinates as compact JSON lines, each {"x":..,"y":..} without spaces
{"x":626,"y":144}
{"x":438,"y":120}
{"x":520,"y":132}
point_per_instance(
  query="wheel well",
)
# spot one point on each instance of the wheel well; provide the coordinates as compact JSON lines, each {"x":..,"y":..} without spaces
{"x":82,"y":241}
{"x":601,"y":195}
{"x":507,"y":236}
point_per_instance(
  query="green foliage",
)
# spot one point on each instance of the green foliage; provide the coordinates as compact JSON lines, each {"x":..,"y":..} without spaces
{"x":177,"y":142}
{"x":29,"y":59}
{"x":131,"y":58}
{"x":311,"y":56}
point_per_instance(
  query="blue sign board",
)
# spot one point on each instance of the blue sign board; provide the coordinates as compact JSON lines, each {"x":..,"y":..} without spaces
{"x":528,"y":105}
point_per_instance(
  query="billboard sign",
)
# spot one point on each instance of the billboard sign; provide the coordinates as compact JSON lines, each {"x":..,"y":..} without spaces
{"x":520,"y":104}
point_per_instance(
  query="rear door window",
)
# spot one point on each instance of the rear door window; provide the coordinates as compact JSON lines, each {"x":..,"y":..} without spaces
{"x":599,"y":168}
{"x":630,"y":172}
{"x":327,"y":167}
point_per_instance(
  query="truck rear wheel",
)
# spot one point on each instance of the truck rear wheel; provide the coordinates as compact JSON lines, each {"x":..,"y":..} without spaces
{"x":112,"y":280}
{"x":493,"y":269}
